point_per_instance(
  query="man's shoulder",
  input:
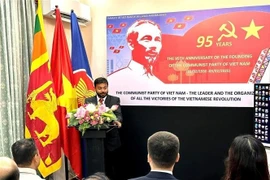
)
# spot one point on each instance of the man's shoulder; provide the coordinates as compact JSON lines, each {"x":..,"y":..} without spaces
{"x":93,"y":97}
{"x":156,"y":175}
{"x":113,"y":97}
{"x":119,"y":71}
{"x":89,"y":99}
{"x":139,"y":178}
{"x":121,"y":74}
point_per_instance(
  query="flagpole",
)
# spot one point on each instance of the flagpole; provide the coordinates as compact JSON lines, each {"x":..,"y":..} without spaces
{"x":66,"y":168}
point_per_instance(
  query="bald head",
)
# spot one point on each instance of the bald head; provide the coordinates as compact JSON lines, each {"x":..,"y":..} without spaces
{"x":8,"y":169}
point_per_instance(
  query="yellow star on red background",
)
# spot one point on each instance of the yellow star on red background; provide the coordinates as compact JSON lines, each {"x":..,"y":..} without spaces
{"x":252,"y":30}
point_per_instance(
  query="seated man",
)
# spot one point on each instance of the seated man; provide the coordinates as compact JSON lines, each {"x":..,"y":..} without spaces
{"x":26,"y":155}
{"x":163,"y":152}
{"x":8,"y":169}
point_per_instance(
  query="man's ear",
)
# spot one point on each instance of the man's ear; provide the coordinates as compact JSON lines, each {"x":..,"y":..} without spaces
{"x":131,"y":45}
{"x":148,"y":158}
{"x":177,"y":158}
{"x":36,"y":158}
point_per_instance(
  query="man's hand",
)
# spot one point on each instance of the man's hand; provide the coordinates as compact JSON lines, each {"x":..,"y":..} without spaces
{"x":118,"y":124}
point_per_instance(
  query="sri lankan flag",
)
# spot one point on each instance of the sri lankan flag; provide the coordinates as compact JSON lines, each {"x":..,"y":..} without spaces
{"x":66,"y":94}
{"x":41,"y":106}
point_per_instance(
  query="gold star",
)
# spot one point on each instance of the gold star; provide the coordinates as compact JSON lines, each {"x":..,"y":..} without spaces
{"x":252,"y":30}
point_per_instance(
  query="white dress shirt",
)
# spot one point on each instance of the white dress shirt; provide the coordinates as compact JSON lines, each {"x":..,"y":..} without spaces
{"x":100,"y":98}
{"x":29,"y":174}
{"x":133,"y":75}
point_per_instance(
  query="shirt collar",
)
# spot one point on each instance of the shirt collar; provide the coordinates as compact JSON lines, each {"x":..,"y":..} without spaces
{"x":164,"y":171}
{"x":27,"y":170}
{"x":100,"y":98}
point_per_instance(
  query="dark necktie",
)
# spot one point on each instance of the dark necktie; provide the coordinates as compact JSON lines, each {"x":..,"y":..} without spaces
{"x":101,"y":101}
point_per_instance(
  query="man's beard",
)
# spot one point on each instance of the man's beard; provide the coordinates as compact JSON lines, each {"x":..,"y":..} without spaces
{"x":103,"y":95}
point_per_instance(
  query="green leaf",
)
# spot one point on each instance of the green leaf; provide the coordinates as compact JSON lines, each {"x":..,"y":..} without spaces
{"x":84,"y":126}
{"x":110,"y":115}
{"x":83,"y":131}
{"x":105,"y":125}
{"x":73,"y":121}
{"x":73,"y":111}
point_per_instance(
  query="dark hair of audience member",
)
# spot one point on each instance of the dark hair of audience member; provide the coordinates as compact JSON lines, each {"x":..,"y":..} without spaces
{"x":163,"y":148}
{"x":23,"y":152}
{"x":246,"y":160}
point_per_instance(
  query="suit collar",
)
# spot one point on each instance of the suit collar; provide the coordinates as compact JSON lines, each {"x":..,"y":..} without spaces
{"x":107,"y":99}
{"x":104,"y":99}
{"x":169,"y":172}
{"x":155,"y":174}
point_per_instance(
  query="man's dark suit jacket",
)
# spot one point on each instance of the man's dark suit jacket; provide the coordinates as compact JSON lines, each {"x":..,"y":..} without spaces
{"x":152,"y":175}
{"x":112,"y":140}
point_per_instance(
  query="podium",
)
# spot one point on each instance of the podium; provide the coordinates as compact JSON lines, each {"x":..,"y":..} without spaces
{"x":94,"y":150}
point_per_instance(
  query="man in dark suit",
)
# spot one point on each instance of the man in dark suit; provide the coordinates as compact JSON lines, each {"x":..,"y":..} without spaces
{"x":163,"y":153}
{"x":112,"y":141}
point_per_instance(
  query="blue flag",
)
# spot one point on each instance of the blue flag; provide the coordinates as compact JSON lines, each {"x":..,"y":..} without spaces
{"x":80,"y":65}
{"x":82,"y":74}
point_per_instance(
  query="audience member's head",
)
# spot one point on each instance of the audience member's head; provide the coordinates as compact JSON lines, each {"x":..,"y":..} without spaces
{"x":8,"y":169}
{"x":25,"y":153}
{"x":97,"y":176}
{"x":246,"y":160}
{"x":163,"y":150}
